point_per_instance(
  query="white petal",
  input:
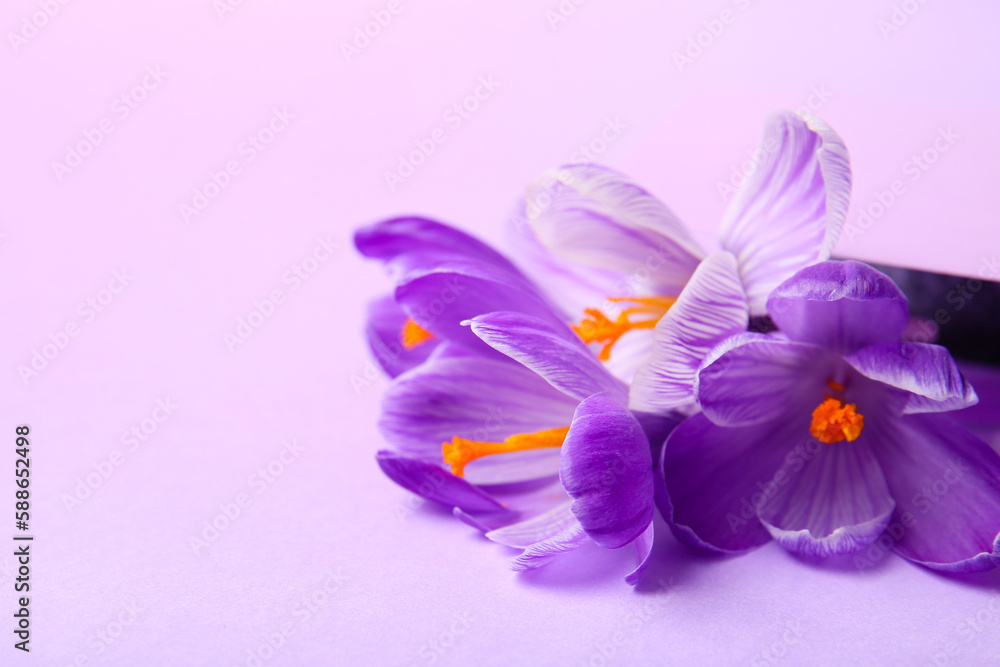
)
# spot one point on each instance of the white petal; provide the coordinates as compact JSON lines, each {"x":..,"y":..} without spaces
{"x":711,"y":308}
{"x":523,"y":534}
{"x":597,"y":217}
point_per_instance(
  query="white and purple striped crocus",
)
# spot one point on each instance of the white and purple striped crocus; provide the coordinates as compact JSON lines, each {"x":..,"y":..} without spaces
{"x":829,"y":435}
{"x":598,"y":238}
{"x":497,"y":409}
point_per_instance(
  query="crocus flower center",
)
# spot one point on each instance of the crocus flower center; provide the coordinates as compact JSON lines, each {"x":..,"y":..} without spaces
{"x":596,"y":327}
{"x":460,"y":451}
{"x":413,"y":334}
{"x":834,"y":420}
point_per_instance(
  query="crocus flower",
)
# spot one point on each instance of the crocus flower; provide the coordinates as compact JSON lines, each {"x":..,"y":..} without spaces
{"x":596,"y":237}
{"x":510,"y":420}
{"x":828,"y":434}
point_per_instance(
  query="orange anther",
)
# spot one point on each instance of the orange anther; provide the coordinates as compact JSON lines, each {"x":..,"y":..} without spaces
{"x":460,"y":451}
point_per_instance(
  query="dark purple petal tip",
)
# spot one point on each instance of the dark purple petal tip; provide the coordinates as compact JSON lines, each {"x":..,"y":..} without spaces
{"x":433,"y":483}
{"x":607,"y":469}
{"x":844,"y":305}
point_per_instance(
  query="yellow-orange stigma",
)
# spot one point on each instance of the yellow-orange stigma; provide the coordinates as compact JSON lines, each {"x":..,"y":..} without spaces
{"x":413,"y":334}
{"x":460,"y":451}
{"x":835,"y":421}
{"x":596,"y":327}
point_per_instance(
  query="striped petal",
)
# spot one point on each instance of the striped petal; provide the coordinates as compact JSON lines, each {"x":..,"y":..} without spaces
{"x":790,"y":212}
{"x":594,"y":216}
{"x":554,"y":352}
{"x":711,"y":308}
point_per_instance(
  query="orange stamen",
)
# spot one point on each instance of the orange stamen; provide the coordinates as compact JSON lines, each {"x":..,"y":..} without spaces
{"x":413,"y":334}
{"x":596,"y":327}
{"x":460,"y":451}
{"x":834,"y":421}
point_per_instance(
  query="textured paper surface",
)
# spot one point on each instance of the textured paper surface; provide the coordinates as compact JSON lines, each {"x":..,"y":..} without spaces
{"x":345,"y":567}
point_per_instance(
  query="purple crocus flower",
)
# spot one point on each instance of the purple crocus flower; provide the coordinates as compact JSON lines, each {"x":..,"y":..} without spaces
{"x":541,"y":452}
{"x":597,"y":238}
{"x":826,"y":435}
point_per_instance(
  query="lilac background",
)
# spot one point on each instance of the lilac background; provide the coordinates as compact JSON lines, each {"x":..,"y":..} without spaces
{"x":405,"y":576}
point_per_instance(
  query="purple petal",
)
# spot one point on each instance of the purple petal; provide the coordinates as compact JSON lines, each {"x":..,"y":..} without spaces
{"x":842,"y":305}
{"x":541,"y":553}
{"x":530,"y":498}
{"x":383,"y":331}
{"x":926,"y":372}
{"x":402,"y":243}
{"x":471,"y":397}
{"x":657,"y":428}
{"x":433,"y":483}
{"x":946,"y":483}
{"x":523,"y":500}
{"x":983,"y":419}
{"x":630,"y":351}
{"x":789,"y":213}
{"x":444,"y":276}
{"x":608,"y":471}
{"x":716,"y":477}
{"x":482,"y":522}
{"x":642,"y":549}
{"x":832,"y":500}
{"x":759,"y":378}
{"x":554,"y":352}
{"x":571,"y":285}
{"x":597,"y":217}
{"x":514,"y":467}
{"x":547,"y":525}
{"x":442,"y":295}
{"x":711,"y":308}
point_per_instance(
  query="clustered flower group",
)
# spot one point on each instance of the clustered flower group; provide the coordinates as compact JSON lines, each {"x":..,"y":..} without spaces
{"x":759,"y":392}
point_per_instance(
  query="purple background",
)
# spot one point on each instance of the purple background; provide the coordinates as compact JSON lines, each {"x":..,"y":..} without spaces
{"x":405,"y":584}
